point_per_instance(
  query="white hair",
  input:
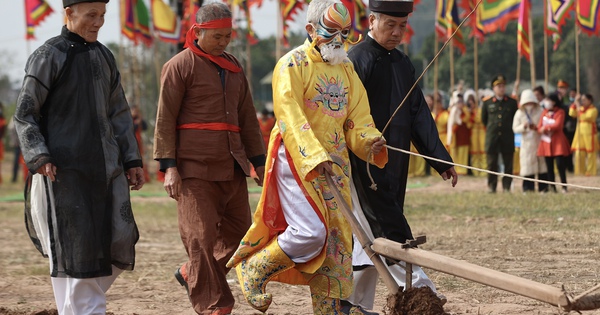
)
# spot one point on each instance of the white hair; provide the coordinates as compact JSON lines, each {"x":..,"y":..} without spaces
{"x":317,"y":8}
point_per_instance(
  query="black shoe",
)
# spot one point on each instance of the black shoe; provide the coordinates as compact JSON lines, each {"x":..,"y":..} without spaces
{"x":181,"y":280}
{"x":348,"y":308}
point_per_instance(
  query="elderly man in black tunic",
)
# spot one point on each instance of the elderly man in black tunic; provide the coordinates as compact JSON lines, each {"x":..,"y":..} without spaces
{"x":76,"y":134}
{"x":388,"y":75}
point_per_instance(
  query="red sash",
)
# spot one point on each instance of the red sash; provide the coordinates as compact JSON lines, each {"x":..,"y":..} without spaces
{"x":210,"y":126}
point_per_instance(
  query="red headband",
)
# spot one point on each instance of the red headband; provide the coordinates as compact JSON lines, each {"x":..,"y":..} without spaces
{"x":221,"y":23}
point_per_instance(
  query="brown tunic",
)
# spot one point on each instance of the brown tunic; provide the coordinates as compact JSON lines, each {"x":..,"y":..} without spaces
{"x":213,"y":208}
{"x":192,"y":92}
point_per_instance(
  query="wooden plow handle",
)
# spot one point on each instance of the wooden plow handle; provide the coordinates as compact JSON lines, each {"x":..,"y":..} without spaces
{"x":364,"y":240}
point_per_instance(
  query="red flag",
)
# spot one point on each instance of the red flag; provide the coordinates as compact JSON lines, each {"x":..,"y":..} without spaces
{"x":408,"y":34}
{"x":475,"y":19}
{"x":587,"y":16}
{"x":35,"y":12}
{"x":288,"y":9}
{"x":523,"y":47}
{"x":190,"y":8}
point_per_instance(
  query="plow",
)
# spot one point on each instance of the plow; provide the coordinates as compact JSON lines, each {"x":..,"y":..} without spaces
{"x":410,"y":255}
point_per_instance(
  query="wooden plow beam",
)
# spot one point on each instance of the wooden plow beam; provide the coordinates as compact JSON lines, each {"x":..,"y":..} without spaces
{"x":486,"y":276}
{"x":415,"y":256}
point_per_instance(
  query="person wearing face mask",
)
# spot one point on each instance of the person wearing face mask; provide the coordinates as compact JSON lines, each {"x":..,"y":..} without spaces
{"x":554,"y":145}
{"x":299,"y":234}
{"x":562,"y":88}
{"x":585,"y":142}
{"x":76,"y":135}
{"x":525,"y":123}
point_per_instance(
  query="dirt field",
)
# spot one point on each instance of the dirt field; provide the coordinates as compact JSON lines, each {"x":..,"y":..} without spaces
{"x":552,"y":247}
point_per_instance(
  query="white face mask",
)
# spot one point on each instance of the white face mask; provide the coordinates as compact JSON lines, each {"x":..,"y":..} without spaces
{"x":528,"y":107}
{"x":547,"y":105}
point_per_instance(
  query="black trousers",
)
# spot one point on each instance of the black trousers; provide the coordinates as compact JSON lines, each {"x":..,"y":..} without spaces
{"x":530,"y":186}
{"x":492,"y":162}
{"x":561,"y":165}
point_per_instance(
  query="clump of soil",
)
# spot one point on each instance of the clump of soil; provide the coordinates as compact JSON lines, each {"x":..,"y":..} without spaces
{"x":414,"y":301}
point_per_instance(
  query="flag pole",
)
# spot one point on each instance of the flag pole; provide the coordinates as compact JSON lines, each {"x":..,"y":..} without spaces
{"x":577,"y":59}
{"x":518,"y":79}
{"x":279,"y":31}
{"x":435,"y":70}
{"x":531,"y":49}
{"x":451,"y":51}
{"x":476,"y":67}
{"x":545,"y":48}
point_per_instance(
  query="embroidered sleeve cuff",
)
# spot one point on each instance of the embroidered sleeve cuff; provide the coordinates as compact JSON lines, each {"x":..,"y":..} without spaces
{"x":38,"y":162}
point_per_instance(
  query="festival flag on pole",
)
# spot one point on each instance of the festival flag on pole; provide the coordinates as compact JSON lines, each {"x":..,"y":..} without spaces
{"x":475,"y":19}
{"x":166,"y":24}
{"x":441,"y":23}
{"x":288,"y":9}
{"x":452,"y":22}
{"x":190,"y":8}
{"x":556,"y":13}
{"x":128,"y":19}
{"x":142,"y":23}
{"x":495,"y":14}
{"x":245,"y":6}
{"x":587,"y":16}
{"x":35,"y":12}
{"x":523,"y":47}
{"x":408,"y":34}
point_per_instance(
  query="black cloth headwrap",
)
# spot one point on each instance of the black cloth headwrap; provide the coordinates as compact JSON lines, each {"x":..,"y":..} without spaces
{"x":68,"y":3}
{"x":396,"y":8}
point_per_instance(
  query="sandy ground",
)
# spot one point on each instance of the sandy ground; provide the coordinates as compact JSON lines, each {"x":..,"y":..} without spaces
{"x":569,"y":259}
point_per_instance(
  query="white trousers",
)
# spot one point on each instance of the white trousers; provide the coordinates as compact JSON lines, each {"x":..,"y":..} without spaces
{"x":73,"y":296}
{"x":305,"y":235}
{"x":83,"y":296}
{"x":365,"y":280}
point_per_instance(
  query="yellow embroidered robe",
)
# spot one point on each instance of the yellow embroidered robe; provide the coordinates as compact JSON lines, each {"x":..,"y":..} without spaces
{"x":322,"y":111}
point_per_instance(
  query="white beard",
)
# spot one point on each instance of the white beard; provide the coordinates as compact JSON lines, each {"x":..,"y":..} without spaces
{"x":333,"y":55}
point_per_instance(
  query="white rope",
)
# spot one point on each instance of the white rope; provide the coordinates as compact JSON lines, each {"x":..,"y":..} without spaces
{"x":492,"y":172}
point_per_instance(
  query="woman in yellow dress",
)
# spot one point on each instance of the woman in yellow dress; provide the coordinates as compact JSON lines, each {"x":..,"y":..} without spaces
{"x":440,"y":115}
{"x":477,"y":138}
{"x":585,"y":142}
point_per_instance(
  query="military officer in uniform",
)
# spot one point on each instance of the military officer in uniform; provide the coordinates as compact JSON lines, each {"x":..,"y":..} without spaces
{"x":497,"y":114}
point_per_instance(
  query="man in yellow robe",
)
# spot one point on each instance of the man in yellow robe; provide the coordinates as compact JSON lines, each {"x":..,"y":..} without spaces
{"x":299,"y":234}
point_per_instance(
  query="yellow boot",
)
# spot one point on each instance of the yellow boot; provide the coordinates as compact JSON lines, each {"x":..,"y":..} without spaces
{"x":256,"y":271}
{"x":323,"y":305}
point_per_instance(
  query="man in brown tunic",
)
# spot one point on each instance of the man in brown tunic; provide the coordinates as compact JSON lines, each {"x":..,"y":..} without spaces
{"x":206,"y":132}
